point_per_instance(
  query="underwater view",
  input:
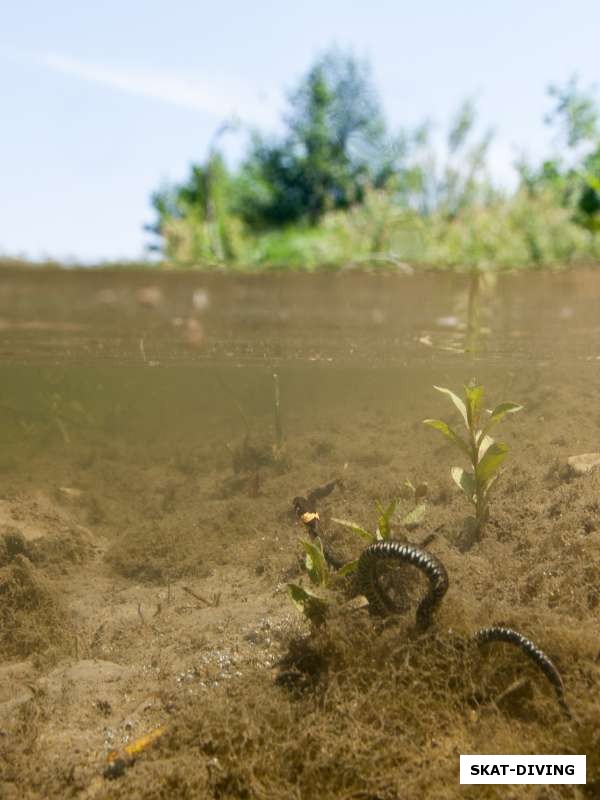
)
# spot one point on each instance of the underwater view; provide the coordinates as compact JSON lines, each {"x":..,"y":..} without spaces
{"x":299,"y":401}
{"x":234,"y":562}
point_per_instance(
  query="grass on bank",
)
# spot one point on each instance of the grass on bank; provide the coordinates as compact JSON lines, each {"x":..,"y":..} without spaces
{"x":522,"y":232}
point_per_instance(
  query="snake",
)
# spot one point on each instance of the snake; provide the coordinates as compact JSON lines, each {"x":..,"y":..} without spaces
{"x":379,"y":602}
{"x":499,"y":633}
{"x":382,"y":605}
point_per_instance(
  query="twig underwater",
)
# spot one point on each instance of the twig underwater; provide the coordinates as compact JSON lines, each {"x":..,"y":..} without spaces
{"x":196,"y":596}
{"x":306,"y":511}
{"x":119,"y":760}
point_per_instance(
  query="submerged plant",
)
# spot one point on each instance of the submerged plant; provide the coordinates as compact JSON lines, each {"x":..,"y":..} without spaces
{"x":279,"y":445}
{"x":485,"y":455}
{"x":385,"y":514}
{"x":383,"y":531}
{"x":315,"y":605}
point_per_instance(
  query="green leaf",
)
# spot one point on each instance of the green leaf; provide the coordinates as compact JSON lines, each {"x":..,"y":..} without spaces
{"x":457,"y":402}
{"x":298,"y":595}
{"x":314,"y":608}
{"x":368,"y":537}
{"x":347,"y":569}
{"x":489,"y":464}
{"x":465,"y":481}
{"x":488,"y":487}
{"x":415,"y":517}
{"x":501,"y":410}
{"x":484,"y":443}
{"x":474,"y":397}
{"x":444,"y":428}
{"x":383,"y":523}
{"x":316,"y":566}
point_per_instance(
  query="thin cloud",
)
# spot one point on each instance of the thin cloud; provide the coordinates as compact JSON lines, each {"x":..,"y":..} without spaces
{"x":219,"y":99}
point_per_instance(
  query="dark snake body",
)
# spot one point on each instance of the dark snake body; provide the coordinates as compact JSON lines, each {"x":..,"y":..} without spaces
{"x":539,"y":658}
{"x":379,"y":602}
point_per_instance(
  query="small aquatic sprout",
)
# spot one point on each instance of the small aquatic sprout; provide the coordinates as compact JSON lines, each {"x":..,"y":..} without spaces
{"x":485,"y":455}
{"x":306,"y":511}
{"x":418,"y":492}
{"x":383,"y":532}
{"x":418,"y":495}
{"x":314,"y":605}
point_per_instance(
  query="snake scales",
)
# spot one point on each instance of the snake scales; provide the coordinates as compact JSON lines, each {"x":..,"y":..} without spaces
{"x":380,"y":603}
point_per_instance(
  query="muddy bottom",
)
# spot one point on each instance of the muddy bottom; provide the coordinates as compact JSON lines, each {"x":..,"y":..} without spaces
{"x":148,"y":644}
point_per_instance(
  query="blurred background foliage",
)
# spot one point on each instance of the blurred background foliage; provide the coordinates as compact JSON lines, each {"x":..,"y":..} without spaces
{"x":338,"y":189}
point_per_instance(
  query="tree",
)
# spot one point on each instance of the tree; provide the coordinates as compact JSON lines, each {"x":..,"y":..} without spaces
{"x":576,"y":178}
{"x":447,"y":175}
{"x":195,"y":217}
{"x":575,"y":113}
{"x":335,"y":146}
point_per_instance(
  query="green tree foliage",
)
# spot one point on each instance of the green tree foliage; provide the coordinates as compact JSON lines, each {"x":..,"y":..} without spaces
{"x":574,"y":175}
{"x":335,"y":188}
{"x":195,"y":217}
{"x":575,"y":113}
{"x":334,"y":147}
{"x":448,"y":176}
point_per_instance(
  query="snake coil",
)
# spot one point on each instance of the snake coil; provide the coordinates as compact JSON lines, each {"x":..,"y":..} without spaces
{"x":379,"y":602}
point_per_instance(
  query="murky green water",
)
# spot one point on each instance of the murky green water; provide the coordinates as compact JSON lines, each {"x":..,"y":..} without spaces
{"x":96,"y":349}
{"x":159,"y":357}
{"x":146,"y":319}
{"x":140,"y":459}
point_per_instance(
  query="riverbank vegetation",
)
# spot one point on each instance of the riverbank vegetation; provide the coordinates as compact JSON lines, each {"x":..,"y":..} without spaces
{"x":337,"y":189}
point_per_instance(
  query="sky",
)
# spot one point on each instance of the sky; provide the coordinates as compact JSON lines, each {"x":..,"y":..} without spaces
{"x":102,"y":103}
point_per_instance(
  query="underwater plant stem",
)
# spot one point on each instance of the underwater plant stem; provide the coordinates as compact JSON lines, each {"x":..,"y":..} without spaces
{"x":472,"y":333}
{"x":277,"y":406}
{"x":63,"y":430}
{"x":479,"y":495}
{"x":235,"y":400}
